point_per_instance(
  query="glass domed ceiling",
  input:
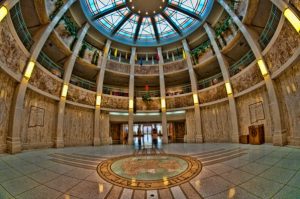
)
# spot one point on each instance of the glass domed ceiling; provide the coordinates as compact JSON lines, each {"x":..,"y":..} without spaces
{"x":146,"y":22}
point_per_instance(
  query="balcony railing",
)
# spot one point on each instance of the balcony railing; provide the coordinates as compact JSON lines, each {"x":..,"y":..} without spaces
{"x":270,"y":28}
{"x":109,"y":90}
{"x":247,"y":59}
{"x":83,"y":83}
{"x":46,"y":62}
{"x":20,"y":26}
{"x":154,"y":93}
{"x":213,"y":80}
{"x":179,"y":90}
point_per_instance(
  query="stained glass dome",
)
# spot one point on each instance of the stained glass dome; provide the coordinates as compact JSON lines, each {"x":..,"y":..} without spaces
{"x":146,"y":22}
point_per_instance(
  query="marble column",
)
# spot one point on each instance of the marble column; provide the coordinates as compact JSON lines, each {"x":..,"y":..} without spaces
{"x":99,"y":136}
{"x":13,"y":138}
{"x":198,"y":137}
{"x":131,"y":96}
{"x":69,"y":65}
{"x":162,"y":96}
{"x":224,"y":69}
{"x":279,"y":134}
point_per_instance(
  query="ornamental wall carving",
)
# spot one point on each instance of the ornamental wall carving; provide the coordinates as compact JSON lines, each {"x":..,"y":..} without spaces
{"x":175,"y":66}
{"x":119,"y":67}
{"x":81,"y":96}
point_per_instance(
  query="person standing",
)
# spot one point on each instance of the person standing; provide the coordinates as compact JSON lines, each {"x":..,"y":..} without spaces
{"x":154,"y":137}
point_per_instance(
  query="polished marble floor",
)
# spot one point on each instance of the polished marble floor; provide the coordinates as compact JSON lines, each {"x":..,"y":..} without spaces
{"x":229,"y":171}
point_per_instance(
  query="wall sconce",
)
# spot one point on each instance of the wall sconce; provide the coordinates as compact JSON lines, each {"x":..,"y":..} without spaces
{"x":292,"y":18}
{"x":262,"y":67}
{"x":29,"y":69}
{"x":131,"y":104}
{"x":64,"y":91}
{"x":195,"y":97}
{"x":3,"y":12}
{"x":163,"y":104}
{"x":228,"y":88}
{"x":98,"y":100}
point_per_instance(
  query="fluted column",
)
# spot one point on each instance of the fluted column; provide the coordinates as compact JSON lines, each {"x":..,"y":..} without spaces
{"x":69,"y":65}
{"x":98,"y":135}
{"x":279,"y":134}
{"x":224,"y":69}
{"x":16,"y":119}
{"x":198,"y":136}
{"x":162,"y":96}
{"x":131,"y":96}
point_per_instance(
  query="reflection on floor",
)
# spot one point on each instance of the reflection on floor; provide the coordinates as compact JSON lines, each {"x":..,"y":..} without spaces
{"x":229,"y":171}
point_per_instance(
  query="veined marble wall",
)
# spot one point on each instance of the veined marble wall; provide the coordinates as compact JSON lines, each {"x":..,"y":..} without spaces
{"x":39,"y":121}
{"x":11,"y":54}
{"x":253,"y":109}
{"x":285,"y":46}
{"x":104,"y":128}
{"x":216,"y":123}
{"x":190,"y":126}
{"x":7,"y":89}
{"x":78,"y":126}
{"x":288,"y":89}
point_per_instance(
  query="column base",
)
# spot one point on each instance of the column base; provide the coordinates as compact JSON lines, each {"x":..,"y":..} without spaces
{"x":59,"y":143}
{"x":96,"y":142}
{"x":165,"y":140}
{"x":189,"y":139}
{"x":106,"y":141}
{"x":280,"y":139}
{"x":13,"y":145}
{"x":294,"y":141}
{"x":199,"y":139}
{"x":235,"y":139}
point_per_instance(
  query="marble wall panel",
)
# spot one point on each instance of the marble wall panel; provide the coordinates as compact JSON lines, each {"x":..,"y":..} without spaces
{"x":175,"y":66}
{"x":146,"y":70}
{"x":7,"y":89}
{"x":288,"y":89}
{"x":180,"y":101}
{"x":213,"y":94}
{"x":45,"y":82}
{"x":11,"y":55}
{"x":246,"y":79}
{"x":81,"y":96}
{"x":246,"y":113}
{"x":115,"y":102}
{"x":284,"y":47}
{"x":119,"y":67}
{"x":190,"y":126}
{"x":78,"y":126}
{"x":39,"y":121}
{"x":216,"y":123}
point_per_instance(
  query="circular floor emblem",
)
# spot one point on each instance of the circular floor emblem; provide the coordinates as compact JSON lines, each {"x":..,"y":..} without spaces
{"x":149,"y":171}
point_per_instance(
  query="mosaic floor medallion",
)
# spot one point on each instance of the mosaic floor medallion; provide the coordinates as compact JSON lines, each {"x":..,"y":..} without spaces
{"x":149,"y":171}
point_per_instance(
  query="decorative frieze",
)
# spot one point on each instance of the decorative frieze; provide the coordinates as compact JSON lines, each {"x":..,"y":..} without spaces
{"x":283,"y":48}
{"x":81,"y":96}
{"x":45,"y":82}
